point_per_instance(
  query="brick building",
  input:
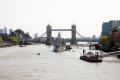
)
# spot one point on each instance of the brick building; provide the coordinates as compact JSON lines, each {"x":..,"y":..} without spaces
{"x":115,"y":37}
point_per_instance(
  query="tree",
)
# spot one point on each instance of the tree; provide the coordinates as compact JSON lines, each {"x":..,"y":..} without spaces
{"x":15,"y":39}
{"x":27,"y":36}
{"x":24,"y":36}
{"x":19,"y":32}
{"x":12,"y":34}
{"x":104,"y":40}
{"x":1,"y":40}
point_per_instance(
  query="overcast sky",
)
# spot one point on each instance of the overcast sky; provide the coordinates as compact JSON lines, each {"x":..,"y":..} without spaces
{"x":34,"y":15}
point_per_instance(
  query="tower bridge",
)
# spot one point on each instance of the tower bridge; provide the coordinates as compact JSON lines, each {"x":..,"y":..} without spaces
{"x":73,"y":40}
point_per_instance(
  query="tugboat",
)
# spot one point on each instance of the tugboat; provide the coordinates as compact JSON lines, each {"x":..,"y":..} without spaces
{"x":21,"y":46}
{"x":92,"y":57}
{"x":59,"y":44}
{"x":68,"y":47}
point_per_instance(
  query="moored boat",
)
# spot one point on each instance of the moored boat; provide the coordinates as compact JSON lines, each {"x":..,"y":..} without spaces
{"x":92,"y":57}
{"x":68,"y":47}
{"x":59,"y":44}
{"x":59,"y":47}
{"x":21,"y":46}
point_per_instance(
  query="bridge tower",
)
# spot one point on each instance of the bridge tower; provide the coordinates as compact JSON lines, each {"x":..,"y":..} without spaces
{"x":49,"y":33}
{"x":73,"y":30}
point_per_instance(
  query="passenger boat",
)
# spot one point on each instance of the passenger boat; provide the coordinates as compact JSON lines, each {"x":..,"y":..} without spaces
{"x":92,"y":57}
{"x":21,"y":46}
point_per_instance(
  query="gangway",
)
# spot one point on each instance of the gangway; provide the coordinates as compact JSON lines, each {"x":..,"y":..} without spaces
{"x":115,"y":53}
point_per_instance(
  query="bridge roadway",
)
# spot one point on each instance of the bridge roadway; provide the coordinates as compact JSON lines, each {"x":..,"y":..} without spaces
{"x":61,"y":29}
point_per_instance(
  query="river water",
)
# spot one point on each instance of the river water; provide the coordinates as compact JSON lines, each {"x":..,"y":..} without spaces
{"x":23,"y":63}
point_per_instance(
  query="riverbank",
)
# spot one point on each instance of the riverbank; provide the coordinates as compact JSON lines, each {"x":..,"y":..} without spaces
{"x":5,"y":45}
{"x":2,"y":45}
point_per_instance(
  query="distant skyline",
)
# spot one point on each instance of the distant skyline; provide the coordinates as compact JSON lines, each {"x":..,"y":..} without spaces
{"x":34,"y":15}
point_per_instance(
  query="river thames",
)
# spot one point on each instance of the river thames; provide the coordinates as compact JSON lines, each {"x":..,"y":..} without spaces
{"x":23,"y":63}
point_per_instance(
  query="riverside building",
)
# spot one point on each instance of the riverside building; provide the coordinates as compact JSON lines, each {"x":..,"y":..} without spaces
{"x":109,"y":26}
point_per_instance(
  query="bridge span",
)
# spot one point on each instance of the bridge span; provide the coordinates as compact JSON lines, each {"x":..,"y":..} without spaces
{"x":73,"y":40}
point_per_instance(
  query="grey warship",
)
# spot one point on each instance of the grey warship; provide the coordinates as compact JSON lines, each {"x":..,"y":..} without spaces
{"x":59,"y":44}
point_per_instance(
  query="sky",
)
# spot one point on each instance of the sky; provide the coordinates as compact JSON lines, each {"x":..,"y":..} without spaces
{"x":34,"y":15}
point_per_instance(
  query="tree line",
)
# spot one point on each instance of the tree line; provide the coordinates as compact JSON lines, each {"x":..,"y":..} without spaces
{"x":15,"y":37}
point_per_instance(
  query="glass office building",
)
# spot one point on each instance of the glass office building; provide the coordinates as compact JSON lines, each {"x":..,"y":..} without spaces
{"x":106,"y":28}
{"x":109,"y":26}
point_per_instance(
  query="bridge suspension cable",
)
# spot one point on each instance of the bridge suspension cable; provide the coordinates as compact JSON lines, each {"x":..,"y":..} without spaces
{"x":79,"y":34}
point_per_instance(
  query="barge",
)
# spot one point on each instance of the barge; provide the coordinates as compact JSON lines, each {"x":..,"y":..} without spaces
{"x":92,"y":57}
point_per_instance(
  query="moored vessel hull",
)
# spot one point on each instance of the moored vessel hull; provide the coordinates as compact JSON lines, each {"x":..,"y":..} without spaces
{"x":59,"y":49}
{"x":85,"y":58}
